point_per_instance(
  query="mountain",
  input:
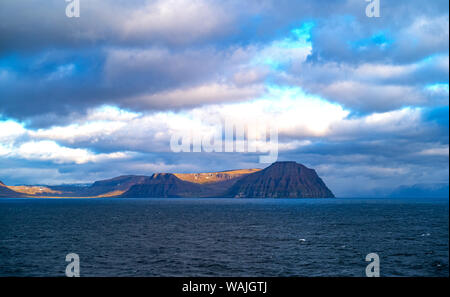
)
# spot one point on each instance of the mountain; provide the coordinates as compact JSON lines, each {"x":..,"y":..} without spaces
{"x":104,"y":188}
{"x":422,"y":191}
{"x":114,"y":186}
{"x":163,"y":185}
{"x":7,"y":192}
{"x":34,"y":190}
{"x":281,"y":180}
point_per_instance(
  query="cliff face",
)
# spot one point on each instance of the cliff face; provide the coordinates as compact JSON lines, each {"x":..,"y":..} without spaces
{"x":7,"y":192}
{"x":103,"y":188}
{"x":163,"y":185}
{"x":119,"y":184}
{"x":281,"y":180}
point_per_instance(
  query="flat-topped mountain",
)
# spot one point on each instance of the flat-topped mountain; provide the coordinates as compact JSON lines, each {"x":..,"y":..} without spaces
{"x":279,"y":180}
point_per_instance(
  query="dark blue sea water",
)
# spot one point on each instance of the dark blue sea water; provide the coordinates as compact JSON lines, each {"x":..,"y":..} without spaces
{"x":224,"y":237}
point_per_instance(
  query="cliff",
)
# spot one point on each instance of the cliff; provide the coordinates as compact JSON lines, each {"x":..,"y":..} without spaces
{"x":281,"y":180}
{"x":163,"y":185}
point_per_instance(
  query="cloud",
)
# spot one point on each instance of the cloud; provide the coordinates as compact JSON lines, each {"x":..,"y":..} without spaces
{"x":353,"y":40}
{"x":362,"y":100}
{"x":134,"y":55}
{"x":369,"y":87}
{"x":176,"y":21}
{"x":379,"y":148}
{"x":439,"y":151}
{"x":50,"y":151}
{"x":195,"y":96}
{"x":9,"y":130}
{"x":172,"y":22}
{"x":299,"y":118}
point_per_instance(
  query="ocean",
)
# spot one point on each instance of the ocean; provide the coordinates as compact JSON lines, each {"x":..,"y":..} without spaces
{"x":224,"y":237}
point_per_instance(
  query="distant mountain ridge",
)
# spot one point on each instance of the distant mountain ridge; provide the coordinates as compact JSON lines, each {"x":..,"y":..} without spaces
{"x":279,"y":180}
{"x":440,"y":190}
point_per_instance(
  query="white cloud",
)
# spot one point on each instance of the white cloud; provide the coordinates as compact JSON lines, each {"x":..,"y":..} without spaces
{"x":92,"y":131}
{"x":47,"y":150}
{"x":436,"y":151}
{"x":177,"y":21}
{"x":404,"y":121}
{"x":10,"y":130}
{"x":110,"y":113}
{"x":299,"y":116}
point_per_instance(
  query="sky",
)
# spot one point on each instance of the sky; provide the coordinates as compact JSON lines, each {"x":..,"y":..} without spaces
{"x":363,"y":100}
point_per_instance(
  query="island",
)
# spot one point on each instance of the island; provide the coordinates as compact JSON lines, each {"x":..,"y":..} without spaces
{"x":280,"y":180}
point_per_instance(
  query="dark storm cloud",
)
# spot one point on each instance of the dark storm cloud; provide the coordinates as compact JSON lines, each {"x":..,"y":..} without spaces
{"x":63,"y":82}
{"x":126,"y":52}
